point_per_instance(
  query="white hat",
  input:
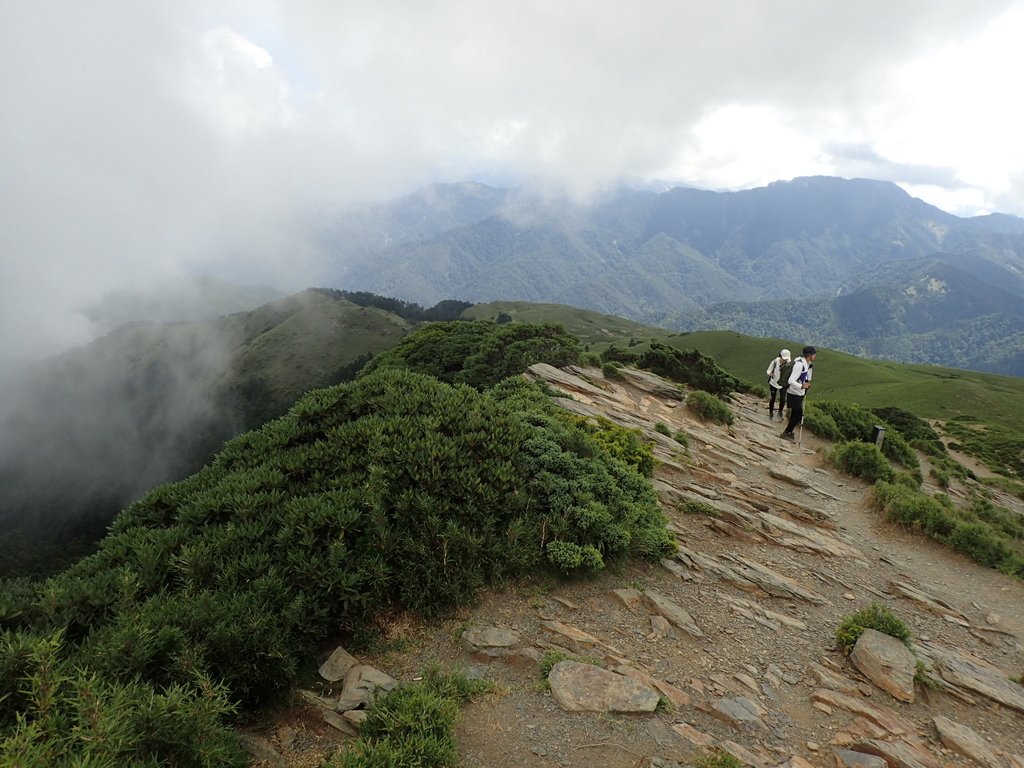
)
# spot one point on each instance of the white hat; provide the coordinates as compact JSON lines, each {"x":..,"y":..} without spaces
{"x":784,"y":354}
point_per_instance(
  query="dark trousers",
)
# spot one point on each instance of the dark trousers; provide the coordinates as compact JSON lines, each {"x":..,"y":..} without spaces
{"x":781,"y":394}
{"x":796,"y":412}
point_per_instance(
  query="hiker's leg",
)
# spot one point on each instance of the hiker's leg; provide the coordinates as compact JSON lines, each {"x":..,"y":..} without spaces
{"x":771,"y":402}
{"x":796,"y":412}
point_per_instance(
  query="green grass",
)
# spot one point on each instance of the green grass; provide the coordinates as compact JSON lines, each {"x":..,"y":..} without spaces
{"x":927,"y":391}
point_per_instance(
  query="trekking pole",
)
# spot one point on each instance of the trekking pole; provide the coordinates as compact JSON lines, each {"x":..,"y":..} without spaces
{"x":800,"y":439}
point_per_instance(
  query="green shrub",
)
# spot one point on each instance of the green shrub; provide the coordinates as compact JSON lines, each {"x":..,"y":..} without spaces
{"x":851,"y":422}
{"x":915,"y":430}
{"x":822,"y":424}
{"x":478,"y":353}
{"x":1001,"y":448}
{"x":624,"y":444}
{"x":940,"y":476}
{"x":414,"y":725}
{"x":663,"y":428}
{"x":591,"y":359}
{"x":53,"y":712}
{"x":611,"y":371}
{"x":394,"y":491}
{"x":709,"y":407}
{"x":961,"y":529}
{"x":1000,"y":518}
{"x":698,"y":508}
{"x":686,"y":366}
{"x":911,"y":480}
{"x":861,"y":460}
{"x":875,"y":616}
{"x":682,"y":438}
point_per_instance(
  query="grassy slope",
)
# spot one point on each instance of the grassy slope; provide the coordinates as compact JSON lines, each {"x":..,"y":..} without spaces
{"x":284,"y":342}
{"x":929,"y":391}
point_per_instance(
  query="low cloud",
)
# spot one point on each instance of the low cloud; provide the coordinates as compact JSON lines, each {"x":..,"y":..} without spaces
{"x":144,"y":141}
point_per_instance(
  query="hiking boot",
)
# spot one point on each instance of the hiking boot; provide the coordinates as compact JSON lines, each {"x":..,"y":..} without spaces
{"x":788,"y":436}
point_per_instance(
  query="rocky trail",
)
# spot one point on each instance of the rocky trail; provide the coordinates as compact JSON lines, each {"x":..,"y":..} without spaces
{"x":731,"y":643}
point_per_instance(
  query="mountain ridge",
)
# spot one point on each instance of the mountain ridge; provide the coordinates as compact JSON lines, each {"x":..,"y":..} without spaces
{"x":663,"y":258}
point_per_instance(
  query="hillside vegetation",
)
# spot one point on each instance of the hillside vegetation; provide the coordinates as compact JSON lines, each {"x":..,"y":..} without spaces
{"x":93,"y":429}
{"x":859,"y":264}
{"x":982,"y":412}
{"x":394,"y":491}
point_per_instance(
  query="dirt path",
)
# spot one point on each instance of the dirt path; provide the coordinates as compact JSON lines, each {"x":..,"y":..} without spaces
{"x":750,"y":474}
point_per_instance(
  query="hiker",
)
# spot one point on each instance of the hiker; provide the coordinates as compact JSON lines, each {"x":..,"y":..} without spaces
{"x":799,"y":383}
{"x":776,"y":370}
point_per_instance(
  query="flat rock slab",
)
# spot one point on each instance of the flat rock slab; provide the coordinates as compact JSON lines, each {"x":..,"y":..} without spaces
{"x":981,"y":678}
{"x":363,"y":685}
{"x":968,"y":743}
{"x":847,"y":758}
{"x":586,"y":688}
{"x":901,"y":753}
{"x":692,"y":735}
{"x":789,"y":474}
{"x":886,"y":662}
{"x":879,"y":716}
{"x":672,"y":612}
{"x":652,"y":383}
{"x":262,"y":750}
{"x":740,"y":712}
{"x":481,"y":638}
{"x":563,"y":379}
{"x":575,"y":639}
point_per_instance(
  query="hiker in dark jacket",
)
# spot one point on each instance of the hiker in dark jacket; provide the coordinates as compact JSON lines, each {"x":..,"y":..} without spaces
{"x":777,"y":388}
{"x":799,"y":383}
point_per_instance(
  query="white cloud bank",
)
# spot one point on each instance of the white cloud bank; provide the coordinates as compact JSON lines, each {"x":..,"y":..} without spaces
{"x":140,"y":140}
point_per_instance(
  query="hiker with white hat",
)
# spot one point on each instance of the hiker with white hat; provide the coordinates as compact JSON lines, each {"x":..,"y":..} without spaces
{"x":778,"y":375}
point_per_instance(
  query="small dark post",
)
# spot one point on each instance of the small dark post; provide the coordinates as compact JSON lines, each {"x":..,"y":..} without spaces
{"x":878,"y":435}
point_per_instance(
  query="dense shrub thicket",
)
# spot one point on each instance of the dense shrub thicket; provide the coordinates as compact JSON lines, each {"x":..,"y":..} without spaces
{"x":988,"y":543}
{"x":449,"y":309}
{"x":54,"y":713}
{"x":479,"y":353}
{"x":395,"y":489}
{"x":918,"y":432}
{"x":686,"y":366}
{"x":840,"y":422}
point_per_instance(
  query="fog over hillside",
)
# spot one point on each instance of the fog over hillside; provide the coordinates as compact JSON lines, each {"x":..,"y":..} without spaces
{"x":142,"y":142}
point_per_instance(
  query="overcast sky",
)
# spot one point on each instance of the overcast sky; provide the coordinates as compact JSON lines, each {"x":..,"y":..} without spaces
{"x":140,"y":139}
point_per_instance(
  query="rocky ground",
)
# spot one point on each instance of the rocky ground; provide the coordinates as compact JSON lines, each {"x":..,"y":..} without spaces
{"x":731,"y":643}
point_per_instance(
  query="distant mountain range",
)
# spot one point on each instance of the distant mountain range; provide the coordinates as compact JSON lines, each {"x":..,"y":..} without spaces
{"x":858,"y":264}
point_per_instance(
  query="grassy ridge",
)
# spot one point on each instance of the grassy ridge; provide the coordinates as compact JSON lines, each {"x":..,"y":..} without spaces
{"x":929,"y":391}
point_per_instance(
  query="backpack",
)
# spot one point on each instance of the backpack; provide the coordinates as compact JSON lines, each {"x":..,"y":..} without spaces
{"x":785,"y":371}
